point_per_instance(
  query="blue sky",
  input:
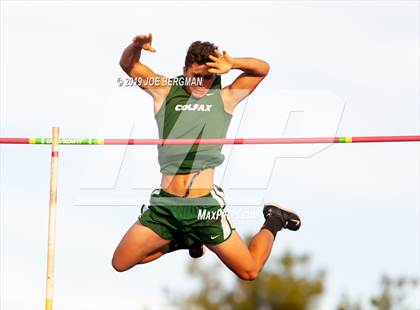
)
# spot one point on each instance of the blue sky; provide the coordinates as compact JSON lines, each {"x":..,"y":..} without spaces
{"x":337,"y":68}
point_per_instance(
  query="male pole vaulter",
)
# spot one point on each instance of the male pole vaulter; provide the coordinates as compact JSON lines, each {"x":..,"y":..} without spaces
{"x":187,"y":211}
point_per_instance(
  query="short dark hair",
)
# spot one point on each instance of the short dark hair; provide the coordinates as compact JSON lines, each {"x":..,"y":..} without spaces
{"x":199,"y":52}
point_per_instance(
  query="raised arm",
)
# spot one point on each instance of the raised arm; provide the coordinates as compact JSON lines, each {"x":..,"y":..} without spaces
{"x":130,"y":63}
{"x":254,"y":71}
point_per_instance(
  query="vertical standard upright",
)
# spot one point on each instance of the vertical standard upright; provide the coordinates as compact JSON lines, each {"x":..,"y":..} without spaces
{"x":52,"y":215}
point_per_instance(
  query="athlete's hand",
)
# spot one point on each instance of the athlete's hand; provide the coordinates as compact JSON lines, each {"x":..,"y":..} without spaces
{"x":221,"y":64}
{"x":144,"y":42}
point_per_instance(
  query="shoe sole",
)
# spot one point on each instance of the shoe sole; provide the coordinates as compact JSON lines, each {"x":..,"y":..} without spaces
{"x":280,"y":207}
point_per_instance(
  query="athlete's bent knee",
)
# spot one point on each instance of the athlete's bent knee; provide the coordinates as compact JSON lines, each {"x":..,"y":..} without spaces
{"x":118,"y":266}
{"x":248,"y":275}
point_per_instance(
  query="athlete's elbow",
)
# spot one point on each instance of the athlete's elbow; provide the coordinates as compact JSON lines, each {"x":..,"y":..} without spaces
{"x":262,"y":68}
{"x":265,"y":68}
{"x":126,"y":67}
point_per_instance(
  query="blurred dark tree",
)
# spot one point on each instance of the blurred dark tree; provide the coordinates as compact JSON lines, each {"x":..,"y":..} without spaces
{"x":392,"y":295}
{"x":285,"y":284}
{"x":347,"y":304}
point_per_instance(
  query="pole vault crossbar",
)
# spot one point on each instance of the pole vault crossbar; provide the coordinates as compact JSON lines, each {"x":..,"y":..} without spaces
{"x":88,"y":141}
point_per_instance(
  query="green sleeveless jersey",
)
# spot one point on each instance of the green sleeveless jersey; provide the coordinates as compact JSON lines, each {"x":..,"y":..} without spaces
{"x":185,"y":117}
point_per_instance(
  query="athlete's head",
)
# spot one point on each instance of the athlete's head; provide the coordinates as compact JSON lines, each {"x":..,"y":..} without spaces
{"x":195,"y":67}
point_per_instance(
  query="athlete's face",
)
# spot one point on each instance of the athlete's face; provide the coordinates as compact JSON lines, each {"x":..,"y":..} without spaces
{"x":200,"y":72}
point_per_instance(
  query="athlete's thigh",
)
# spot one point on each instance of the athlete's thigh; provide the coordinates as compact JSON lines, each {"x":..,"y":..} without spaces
{"x":235,"y":255}
{"x":137,"y":243}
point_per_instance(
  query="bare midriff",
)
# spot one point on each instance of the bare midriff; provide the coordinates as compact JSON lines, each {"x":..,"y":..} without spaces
{"x":177,"y":184}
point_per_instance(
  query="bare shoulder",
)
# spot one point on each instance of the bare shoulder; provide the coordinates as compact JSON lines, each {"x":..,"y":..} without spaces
{"x":232,"y":97}
{"x":240,"y":89}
